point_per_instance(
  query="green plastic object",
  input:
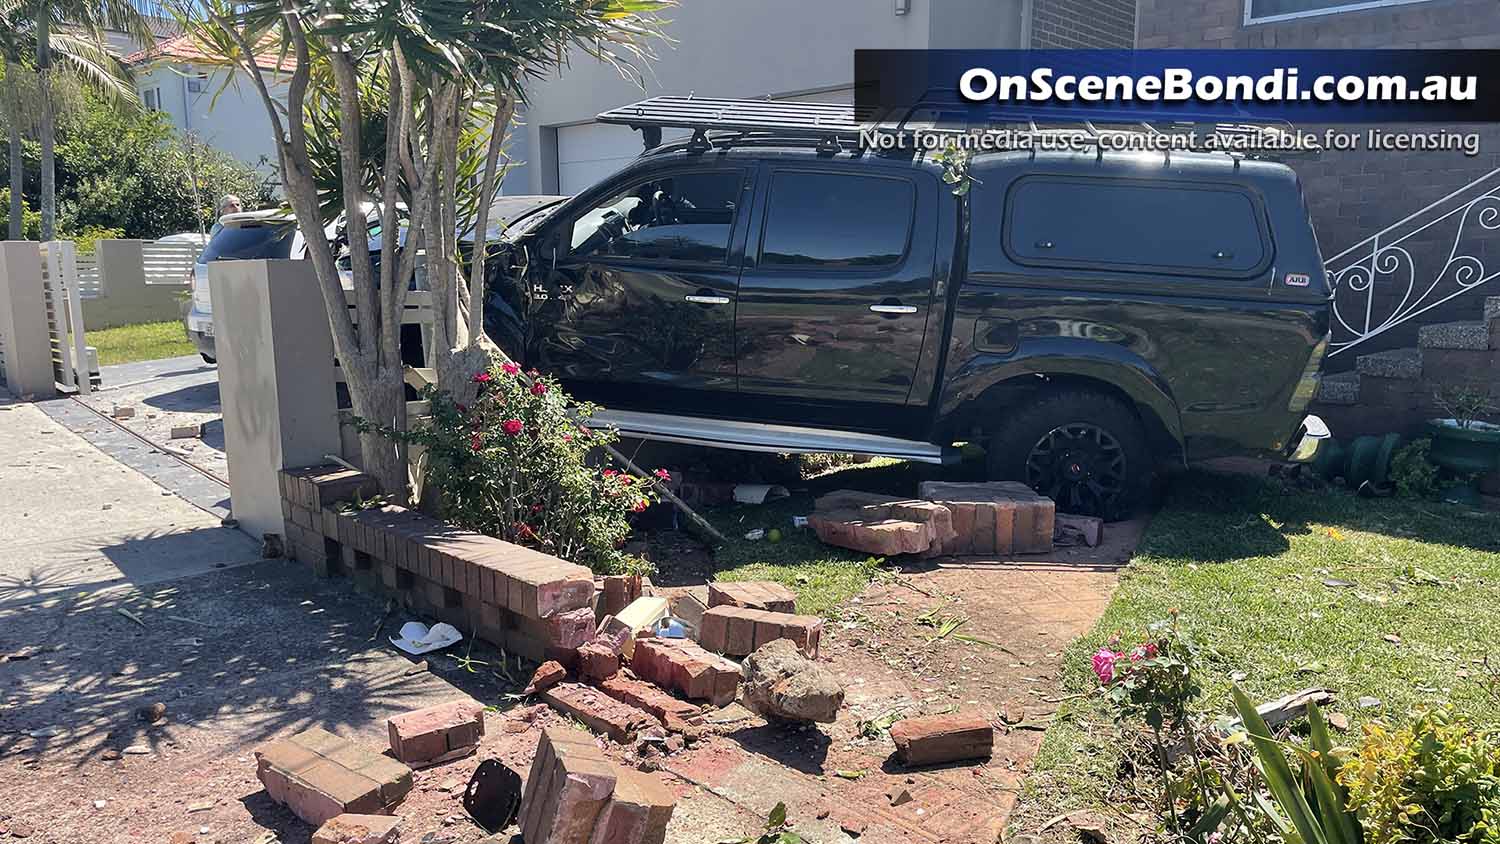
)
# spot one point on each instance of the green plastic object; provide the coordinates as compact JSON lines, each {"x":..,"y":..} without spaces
{"x":1363,"y":454}
{"x":1329,"y":463}
{"x":1474,"y":450}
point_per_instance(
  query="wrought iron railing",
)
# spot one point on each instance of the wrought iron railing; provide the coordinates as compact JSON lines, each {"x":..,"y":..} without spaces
{"x":1378,"y":283}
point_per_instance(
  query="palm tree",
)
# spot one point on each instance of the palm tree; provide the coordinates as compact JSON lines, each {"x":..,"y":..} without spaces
{"x":80,"y":54}
{"x":71,"y":33}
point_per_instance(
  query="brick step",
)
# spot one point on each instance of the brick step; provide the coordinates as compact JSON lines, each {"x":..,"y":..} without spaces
{"x":1405,"y":364}
{"x":1339,"y":388}
{"x":1469,"y":336}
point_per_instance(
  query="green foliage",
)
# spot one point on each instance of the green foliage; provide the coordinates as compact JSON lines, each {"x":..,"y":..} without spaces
{"x":88,"y":237}
{"x":515,"y":465}
{"x":1152,"y":680}
{"x":1309,"y":806}
{"x":1435,"y":779}
{"x":1414,"y":474}
{"x":31,"y":221}
{"x":127,"y":170}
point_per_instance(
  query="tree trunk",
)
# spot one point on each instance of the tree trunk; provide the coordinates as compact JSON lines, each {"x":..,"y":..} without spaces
{"x":47,"y":129}
{"x":379,"y":396}
{"x":17,"y":168}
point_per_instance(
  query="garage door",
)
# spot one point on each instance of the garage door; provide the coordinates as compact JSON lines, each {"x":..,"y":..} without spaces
{"x":590,"y":152}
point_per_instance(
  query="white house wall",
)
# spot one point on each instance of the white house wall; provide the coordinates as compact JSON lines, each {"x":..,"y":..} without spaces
{"x":792,"y":49}
{"x":230,"y":118}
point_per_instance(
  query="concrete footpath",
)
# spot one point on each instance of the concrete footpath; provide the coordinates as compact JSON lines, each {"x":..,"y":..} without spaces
{"x":146,"y":651}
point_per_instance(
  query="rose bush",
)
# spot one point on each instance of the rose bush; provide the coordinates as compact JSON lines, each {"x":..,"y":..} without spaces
{"x":515,"y":464}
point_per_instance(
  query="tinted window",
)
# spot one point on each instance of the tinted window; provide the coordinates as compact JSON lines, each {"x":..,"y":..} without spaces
{"x":249,"y":242}
{"x":685,"y":217}
{"x":1100,"y":222}
{"x":836,"y":221}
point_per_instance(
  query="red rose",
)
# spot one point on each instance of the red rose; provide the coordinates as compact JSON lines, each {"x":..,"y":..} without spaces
{"x":476,"y":442}
{"x":512,"y":426}
{"x":538,"y":389}
{"x":510,"y":369}
{"x":663,"y":474}
{"x":610,"y":473}
{"x":482,"y":378}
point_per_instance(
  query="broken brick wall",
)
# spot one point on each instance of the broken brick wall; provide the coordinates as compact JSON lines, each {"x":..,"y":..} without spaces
{"x":532,"y":604}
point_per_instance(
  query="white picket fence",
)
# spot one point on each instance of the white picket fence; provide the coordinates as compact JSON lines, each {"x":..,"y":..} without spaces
{"x":163,"y":262}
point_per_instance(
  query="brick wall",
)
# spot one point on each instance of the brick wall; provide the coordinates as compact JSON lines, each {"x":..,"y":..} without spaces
{"x":529,"y":603}
{"x":1353,"y":195}
{"x":1082,"y":24}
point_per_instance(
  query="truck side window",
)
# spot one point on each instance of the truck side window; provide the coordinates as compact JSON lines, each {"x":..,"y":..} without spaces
{"x":837,"y":221}
{"x":683,"y":217}
{"x":1193,"y":228}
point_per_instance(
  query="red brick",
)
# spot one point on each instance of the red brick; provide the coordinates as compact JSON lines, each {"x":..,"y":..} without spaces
{"x":619,"y":590}
{"x":724,"y":628}
{"x":547,"y":675}
{"x":599,"y":712}
{"x":753,"y":594}
{"x":637,"y":813}
{"x":569,"y":784}
{"x":359,"y":829}
{"x":674,"y":713}
{"x":598,"y":661}
{"x":543,"y":586}
{"x":319,"y":775}
{"x":936,"y":739}
{"x":684,"y":666}
{"x":436,"y":733}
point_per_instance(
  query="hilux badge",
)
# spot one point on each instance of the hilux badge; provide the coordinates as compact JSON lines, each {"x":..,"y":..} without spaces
{"x":1298,"y":279}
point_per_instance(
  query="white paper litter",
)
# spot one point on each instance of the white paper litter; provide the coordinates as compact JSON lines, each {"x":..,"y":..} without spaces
{"x":417,"y":638}
{"x":758,"y":493}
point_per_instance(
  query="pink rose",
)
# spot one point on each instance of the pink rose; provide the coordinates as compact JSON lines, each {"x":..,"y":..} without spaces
{"x":512,"y":426}
{"x":640,"y":506}
{"x":482,"y":378}
{"x":1104,"y":665}
{"x":663,"y":474}
{"x":510,"y":369}
{"x":538,"y":389}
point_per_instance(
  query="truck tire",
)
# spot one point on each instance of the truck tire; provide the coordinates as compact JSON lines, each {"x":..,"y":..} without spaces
{"x":1085,"y":450}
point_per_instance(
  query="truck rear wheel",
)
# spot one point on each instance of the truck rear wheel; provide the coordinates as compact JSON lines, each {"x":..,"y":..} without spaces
{"x":1085,"y":450}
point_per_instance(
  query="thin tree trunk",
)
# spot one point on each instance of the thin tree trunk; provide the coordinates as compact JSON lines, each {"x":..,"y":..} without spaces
{"x":17,"y":168}
{"x":46,"y":128}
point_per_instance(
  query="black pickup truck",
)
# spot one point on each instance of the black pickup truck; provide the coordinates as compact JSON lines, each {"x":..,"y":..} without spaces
{"x":1086,"y":316}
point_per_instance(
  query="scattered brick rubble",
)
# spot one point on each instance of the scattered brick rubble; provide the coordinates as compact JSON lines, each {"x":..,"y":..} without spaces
{"x":437,"y":733}
{"x":359,"y":829}
{"x":999,"y":517}
{"x":738,"y":631}
{"x":935,"y":739}
{"x":319,"y":776}
{"x":575,"y":795}
{"x":753,"y":594}
{"x":682,"y":665}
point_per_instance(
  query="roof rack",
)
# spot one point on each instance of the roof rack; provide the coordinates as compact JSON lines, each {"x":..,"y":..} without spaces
{"x":835,"y":128}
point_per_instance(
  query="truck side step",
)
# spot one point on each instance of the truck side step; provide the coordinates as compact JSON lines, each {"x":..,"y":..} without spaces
{"x":756,"y":436}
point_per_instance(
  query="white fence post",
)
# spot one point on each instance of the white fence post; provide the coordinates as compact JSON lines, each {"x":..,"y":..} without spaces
{"x":275,"y":356}
{"x":74,"y":369}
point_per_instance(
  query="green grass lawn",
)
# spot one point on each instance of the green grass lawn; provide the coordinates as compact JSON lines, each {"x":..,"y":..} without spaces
{"x":1383,"y":598}
{"x":146,"y":341}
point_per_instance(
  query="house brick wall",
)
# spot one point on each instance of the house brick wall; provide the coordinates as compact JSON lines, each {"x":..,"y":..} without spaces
{"x":1352,"y":195}
{"x":1082,"y":24}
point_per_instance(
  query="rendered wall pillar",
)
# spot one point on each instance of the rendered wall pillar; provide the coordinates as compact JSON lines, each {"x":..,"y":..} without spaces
{"x":275,"y":380}
{"x":24,"y":339}
{"x":127,"y":299}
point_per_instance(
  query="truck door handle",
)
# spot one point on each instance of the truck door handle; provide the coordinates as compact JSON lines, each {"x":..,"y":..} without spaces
{"x":893,"y":308}
{"x":704,"y":297}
